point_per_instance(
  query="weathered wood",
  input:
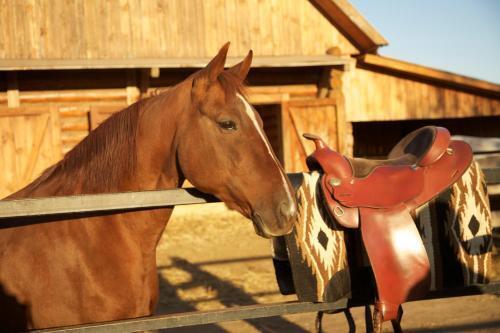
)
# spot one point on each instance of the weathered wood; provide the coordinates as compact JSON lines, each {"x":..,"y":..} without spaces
{"x":258,"y":99}
{"x":133,"y":91}
{"x":261,"y":61}
{"x":74,"y":125}
{"x":98,"y":114}
{"x":292,"y":89}
{"x":347,"y":19}
{"x":317,"y":116}
{"x":62,"y":96}
{"x":12,"y":91}
{"x":30,"y":143}
{"x":376,"y":96}
{"x":39,"y":133}
{"x":414,"y":71}
{"x":344,"y":132}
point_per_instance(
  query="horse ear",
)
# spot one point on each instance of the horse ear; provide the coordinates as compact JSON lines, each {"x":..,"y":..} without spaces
{"x":209,"y":74}
{"x":216,"y":65}
{"x":241,"y":69}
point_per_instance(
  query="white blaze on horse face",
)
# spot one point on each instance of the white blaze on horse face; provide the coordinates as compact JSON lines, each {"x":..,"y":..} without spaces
{"x":251,"y":114}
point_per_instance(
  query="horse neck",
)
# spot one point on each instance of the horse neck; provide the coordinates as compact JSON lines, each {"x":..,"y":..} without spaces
{"x":156,"y":142}
{"x":157,"y":166}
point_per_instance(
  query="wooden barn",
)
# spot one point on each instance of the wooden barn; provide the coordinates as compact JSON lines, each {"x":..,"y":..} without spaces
{"x":67,"y":65}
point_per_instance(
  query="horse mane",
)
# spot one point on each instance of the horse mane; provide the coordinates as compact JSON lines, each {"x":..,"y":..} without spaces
{"x":97,"y":163}
{"x":108,"y":154}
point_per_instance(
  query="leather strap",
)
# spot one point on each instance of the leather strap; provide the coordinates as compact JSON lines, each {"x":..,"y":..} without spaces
{"x":346,"y":216}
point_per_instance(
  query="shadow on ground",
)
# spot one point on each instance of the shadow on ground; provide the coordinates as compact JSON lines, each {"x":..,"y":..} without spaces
{"x":231,"y":296}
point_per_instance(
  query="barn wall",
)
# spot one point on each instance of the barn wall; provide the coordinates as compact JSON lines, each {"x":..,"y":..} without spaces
{"x":375,"y":96}
{"x":30,"y":142}
{"x":116,"y":29}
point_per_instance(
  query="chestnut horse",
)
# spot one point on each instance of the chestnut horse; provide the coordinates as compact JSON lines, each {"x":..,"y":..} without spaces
{"x":104,"y":268}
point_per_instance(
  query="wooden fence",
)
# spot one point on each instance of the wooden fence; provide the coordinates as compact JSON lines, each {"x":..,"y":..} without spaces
{"x":29,"y":211}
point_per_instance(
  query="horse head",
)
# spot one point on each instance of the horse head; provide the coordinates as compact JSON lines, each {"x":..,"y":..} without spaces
{"x":224,"y":151}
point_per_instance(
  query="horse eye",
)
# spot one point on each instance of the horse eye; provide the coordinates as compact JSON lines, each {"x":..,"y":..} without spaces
{"x":228,"y":125}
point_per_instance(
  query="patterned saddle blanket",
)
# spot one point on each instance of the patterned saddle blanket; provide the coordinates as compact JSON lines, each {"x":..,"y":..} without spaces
{"x":321,"y":261}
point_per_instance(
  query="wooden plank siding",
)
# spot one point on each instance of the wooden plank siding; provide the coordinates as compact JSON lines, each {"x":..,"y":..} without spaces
{"x":134,"y":29}
{"x":318,"y":116}
{"x":428,"y":75}
{"x":30,"y":142}
{"x":376,"y":96}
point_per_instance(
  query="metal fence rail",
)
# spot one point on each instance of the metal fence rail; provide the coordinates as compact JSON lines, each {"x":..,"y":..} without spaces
{"x":246,"y":312}
{"x":36,"y":210}
{"x":115,"y":202}
{"x":107,"y":202}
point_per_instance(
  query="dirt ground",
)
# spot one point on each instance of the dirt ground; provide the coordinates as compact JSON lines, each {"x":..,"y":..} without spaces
{"x":210,"y":258}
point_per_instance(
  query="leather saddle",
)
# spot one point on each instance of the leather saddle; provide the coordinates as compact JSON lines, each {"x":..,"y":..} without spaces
{"x":378,"y":197}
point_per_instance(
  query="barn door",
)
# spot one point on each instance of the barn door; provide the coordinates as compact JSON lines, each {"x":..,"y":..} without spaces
{"x":30,"y":142}
{"x":317,"y":116}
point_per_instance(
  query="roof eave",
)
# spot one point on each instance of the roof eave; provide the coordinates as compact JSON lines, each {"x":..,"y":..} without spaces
{"x":429,"y":75}
{"x":351,"y":24}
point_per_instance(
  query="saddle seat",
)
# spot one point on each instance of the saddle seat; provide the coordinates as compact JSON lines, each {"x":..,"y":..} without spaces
{"x":418,"y":168}
{"x":377,"y":196}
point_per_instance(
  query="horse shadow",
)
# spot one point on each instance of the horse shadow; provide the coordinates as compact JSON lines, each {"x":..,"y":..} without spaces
{"x":13,"y":315}
{"x":238,"y":297}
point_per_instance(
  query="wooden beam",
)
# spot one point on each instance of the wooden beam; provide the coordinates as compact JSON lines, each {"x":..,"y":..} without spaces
{"x":144,"y":81}
{"x":12,"y":90}
{"x":266,"y":99}
{"x":292,"y":89}
{"x":155,"y":72}
{"x":70,"y":96}
{"x":133,"y":92}
{"x":351,"y":24}
{"x":258,"y":61}
{"x":414,"y":71}
{"x":111,"y":95}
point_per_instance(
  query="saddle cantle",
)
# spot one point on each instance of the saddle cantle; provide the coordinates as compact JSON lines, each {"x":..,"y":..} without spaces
{"x":377,"y":196}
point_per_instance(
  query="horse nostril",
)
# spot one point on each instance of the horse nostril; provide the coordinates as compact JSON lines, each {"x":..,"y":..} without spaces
{"x":287,"y":210}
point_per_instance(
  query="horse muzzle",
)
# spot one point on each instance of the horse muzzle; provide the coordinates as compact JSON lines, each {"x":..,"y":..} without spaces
{"x":278,"y":224}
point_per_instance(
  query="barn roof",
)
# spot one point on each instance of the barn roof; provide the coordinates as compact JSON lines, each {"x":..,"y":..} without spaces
{"x":430,"y":75}
{"x":352,"y":24}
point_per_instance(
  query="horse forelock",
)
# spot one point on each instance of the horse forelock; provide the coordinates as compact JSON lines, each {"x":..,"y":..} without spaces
{"x":231,"y":84}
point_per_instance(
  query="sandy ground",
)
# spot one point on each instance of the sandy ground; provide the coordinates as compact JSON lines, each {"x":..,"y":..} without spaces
{"x":210,"y":258}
